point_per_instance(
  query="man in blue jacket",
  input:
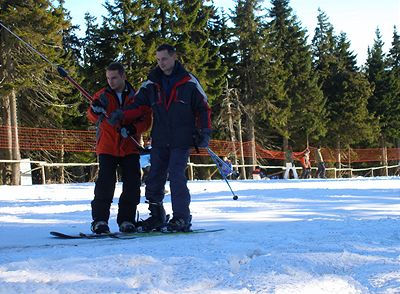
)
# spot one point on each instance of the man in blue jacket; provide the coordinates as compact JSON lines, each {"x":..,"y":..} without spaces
{"x":181,"y":120}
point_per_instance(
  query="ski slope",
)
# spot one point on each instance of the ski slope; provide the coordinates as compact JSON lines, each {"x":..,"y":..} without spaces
{"x":281,"y":236}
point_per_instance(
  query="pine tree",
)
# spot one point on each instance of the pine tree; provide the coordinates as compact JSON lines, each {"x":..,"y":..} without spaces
{"x":251,"y":71}
{"x":346,"y":89}
{"x":385,"y":86}
{"x":134,"y":38}
{"x":31,"y":86}
{"x":394,"y":53}
{"x":221,"y":38}
{"x":98,"y":50}
{"x":302,"y":103}
{"x":375,"y":69}
{"x":216,"y":69}
{"x":198,"y":51}
{"x":323,"y":45}
{"x":393,"y":68}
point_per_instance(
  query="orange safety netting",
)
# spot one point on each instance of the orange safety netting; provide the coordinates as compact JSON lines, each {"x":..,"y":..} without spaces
{"x":84,"y":141}
{"x":49,"y":139}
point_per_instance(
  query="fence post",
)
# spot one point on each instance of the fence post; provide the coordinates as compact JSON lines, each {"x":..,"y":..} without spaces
{"x":385,"y":160}
{"x":191,"y":173}
{"x":43,"y":174}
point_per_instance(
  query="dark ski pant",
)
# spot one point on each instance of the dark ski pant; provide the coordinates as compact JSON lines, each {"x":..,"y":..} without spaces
{"x":105,"y":187}
{"x":321,"y":170}
{"x":306,"y":173}
{"x":169,"y":163}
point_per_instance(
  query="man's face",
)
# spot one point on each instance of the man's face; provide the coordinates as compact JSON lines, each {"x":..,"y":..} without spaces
{"x":166,"y":61}
{"x":115,"y":80}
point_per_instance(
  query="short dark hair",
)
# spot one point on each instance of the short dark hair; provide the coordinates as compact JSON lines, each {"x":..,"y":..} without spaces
{"x":116,"y":66}
{"x":168,"y":47}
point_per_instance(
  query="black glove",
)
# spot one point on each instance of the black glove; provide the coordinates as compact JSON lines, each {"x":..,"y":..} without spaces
{"x":128,"y":130}
{"x":116,"y":117}
{"x":204,"y":138}
{"x":97,"y":107}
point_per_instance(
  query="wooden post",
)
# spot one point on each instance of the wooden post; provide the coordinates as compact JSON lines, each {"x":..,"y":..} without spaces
{"x":16,"y":154}
{"x":339,"y":158}
{"x":385,"y":160}
{"x":351,"y":171}
{"x":43,"y":175}
{"x":191,"y":172}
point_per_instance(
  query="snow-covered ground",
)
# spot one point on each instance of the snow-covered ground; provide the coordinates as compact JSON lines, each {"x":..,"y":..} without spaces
{"x":281,"y":236}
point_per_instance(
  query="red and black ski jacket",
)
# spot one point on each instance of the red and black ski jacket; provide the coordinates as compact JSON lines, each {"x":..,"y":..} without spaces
{"x":108,"y":137}
{"x":176,"y":118}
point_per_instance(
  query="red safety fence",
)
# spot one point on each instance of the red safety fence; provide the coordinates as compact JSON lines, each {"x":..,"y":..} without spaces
{"x":84,"y":141}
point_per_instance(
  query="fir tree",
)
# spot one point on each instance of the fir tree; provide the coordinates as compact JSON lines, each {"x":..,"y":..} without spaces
{"x":131,"y":22}
{"x":393,"y":68}
{"x":383,"y":74}
{"x":99,"y":50}
{"x":323,"y":45}
{"x":198,"y":52}
{"x":250,"y":74}
{"x":393,"y":60}
{"x":216,"y":69}
{"x":302,"y":102}
{"x":385,"y":89}
{"x":345,"y":89}
{"x":32,"y":90}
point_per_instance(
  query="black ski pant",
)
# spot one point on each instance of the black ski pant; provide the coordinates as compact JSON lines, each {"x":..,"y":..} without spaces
{"x":306,"y":173}
{"x":105,"y":187}
{"x":171,"y":163}
{"x":321,"y":172}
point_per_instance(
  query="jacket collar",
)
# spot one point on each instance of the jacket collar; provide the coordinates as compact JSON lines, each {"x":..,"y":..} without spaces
{"x":179,"y":72}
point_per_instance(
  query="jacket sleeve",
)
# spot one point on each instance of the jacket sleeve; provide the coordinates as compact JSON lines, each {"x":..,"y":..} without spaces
{"x":201,"y":107}
{"x":143,"y":123}
{"x":140,"y":104}
{"x":89,"y":113}
{"x":203,"y":112}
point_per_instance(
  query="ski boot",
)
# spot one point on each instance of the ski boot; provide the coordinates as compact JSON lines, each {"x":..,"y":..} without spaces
{"x":156,"y":221}
{"x":100,"y":227}
{"x":179,"y":224}
{"x":127,"y":227}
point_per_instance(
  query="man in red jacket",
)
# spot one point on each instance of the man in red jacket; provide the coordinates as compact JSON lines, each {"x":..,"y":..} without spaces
{"x":114,"y":149}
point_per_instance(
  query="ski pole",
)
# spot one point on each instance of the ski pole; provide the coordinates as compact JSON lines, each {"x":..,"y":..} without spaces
{"x":65,"y":75}
{"x":217,"y":162}
{"x":60,"y":70}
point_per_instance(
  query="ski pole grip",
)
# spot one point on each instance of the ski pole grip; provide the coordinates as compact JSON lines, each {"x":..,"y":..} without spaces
{"x":62,"y":72}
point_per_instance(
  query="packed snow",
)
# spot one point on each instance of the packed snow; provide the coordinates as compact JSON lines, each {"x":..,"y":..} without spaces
{"x":280,"y":236}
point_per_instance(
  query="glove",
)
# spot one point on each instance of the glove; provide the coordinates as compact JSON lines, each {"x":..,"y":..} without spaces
{"x":97,"y":107}
{"x":116,"y":117}
{"x":127,"y":131}
{"x":204,"y":138}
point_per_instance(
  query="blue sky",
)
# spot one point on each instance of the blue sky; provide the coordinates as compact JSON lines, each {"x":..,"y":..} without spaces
{"x":357,"y":18}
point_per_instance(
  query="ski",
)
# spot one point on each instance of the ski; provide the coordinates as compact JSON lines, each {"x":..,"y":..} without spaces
{"x":80,"y":235}
{"x":119,"y":235}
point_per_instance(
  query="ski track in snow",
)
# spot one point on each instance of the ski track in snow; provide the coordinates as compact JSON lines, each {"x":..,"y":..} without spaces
{"x":281,"y":236}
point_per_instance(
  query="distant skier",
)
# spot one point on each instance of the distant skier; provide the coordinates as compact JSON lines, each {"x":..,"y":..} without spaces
{"x":290,"y":164}
{"x":306,"y":164}
{"x":320,"y":162}
{"x":226,"y":168}
{"x":258,"y":173}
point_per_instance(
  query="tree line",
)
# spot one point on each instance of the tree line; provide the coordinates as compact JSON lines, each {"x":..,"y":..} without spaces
{"x":268,"y":80}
